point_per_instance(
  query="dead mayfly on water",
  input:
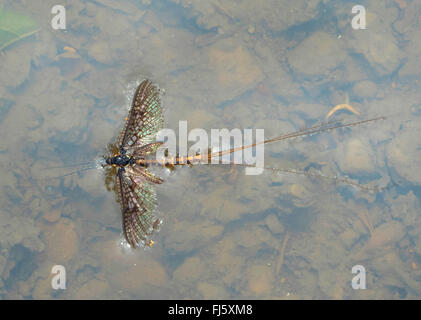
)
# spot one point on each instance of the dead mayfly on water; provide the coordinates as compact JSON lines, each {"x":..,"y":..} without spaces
{"x":133,"y":154}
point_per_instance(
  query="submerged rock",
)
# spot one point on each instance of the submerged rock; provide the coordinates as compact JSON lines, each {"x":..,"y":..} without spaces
{"x":16,"y":65}
{"x":199,"y":234}
{"x":19,"y":230}
{"x":143,"y":272}
{"x":93,"y":289}
{"x":62,"y":241}
{"x":379,"y":46}
{"x":52,"y":215}
{"x":365,"y":89}
{"x":356,"y":157}
{"x":190,"y":270}
{"x":260,"y":280}
{"x":235,"y":68}
{"x":100,"y":51}
{"x":404,"y":152}
{"x":212,"y":291}
{"x":272,"y":14}
{"x":274,"y":225}
{"x":317,"y":55}
{"x":381,"y":239}
{"x":43,"y":289}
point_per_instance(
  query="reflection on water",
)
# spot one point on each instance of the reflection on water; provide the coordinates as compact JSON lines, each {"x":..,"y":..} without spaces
{"x":275,"y":65}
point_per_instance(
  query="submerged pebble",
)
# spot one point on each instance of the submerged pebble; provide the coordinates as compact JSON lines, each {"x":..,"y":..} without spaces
{"x":274,"y":225}
{"x":61,"y":240}
{"x":93,"y":289}
{"x":235,"y":68}
{"x":365,"y":89}
{"x":212,"y":291}
{"x":383,"y":236}
{"x":356,"y":158}
{"x":317,"y":54}
{"x":191,"y":270}
{"x":100,"y":51}
{"x":260,"y":280}
{"x":52,"y":215}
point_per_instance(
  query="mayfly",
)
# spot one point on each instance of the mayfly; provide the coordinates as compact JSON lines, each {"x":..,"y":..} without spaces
{"x":131,"y":157}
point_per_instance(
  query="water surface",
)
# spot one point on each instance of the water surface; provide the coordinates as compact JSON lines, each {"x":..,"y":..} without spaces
{"x":274,"y":65}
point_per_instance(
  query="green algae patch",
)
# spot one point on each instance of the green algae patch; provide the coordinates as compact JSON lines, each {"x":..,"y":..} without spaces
{"x":15,"y":27}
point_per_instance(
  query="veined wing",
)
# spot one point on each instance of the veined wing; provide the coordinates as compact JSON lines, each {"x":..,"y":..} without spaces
{"x":145,"y":117}
{"x":138,"y":203}
{"x":147,"y":149}
{"x":138,"y":174}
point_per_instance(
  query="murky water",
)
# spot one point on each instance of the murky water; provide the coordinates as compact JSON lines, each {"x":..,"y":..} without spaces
{"x":273,"y":65}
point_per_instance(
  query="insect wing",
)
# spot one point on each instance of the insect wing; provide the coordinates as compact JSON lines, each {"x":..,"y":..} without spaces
{"x":147,"y":149}
{"x":138,"y":174}
{"x":138,"y":203}
{"x":145,"y":117}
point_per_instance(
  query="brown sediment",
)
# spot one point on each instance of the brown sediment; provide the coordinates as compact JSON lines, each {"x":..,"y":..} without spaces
{"x":281,"y":254}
